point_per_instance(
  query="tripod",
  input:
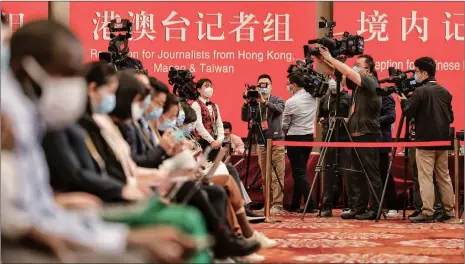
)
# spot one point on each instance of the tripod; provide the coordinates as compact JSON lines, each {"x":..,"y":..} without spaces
{"x":335,"y":123}
{"x":391,"y":161}
{"x":255,"y":129}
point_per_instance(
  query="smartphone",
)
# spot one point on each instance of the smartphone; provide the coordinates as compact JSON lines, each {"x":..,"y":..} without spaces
{"x":178,"y":135}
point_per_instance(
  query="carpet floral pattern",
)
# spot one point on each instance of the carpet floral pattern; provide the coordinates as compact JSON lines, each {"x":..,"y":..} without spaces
{"x":333,"y":240}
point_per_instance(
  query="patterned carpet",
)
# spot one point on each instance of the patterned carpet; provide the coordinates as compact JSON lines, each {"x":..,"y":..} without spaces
{"x":333,"y":240}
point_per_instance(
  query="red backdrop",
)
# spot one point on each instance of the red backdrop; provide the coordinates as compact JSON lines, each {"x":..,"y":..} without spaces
{"x":397,"y":33}
{"x":22,"y":12}
{"x":209,"y":38}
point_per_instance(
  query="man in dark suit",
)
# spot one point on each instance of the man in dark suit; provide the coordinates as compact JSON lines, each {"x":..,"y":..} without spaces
{"x":387,"y":117}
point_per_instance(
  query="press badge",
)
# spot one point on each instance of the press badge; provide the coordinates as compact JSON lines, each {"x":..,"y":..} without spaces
{"x":265,"y":125}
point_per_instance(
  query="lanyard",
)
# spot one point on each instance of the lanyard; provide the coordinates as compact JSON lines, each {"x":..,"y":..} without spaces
{"x":266,"y":112}
{"x":144,"y":135}
{"x":95,"y":155}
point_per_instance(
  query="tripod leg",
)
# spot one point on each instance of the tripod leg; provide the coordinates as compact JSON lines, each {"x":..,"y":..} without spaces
{"x":318,"y":170}
{"x":391,"y":161}
{"x":248,"y":152}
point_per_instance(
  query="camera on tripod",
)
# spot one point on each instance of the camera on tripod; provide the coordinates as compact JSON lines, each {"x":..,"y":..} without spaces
{"x":403,"y":83}
{"x":117,"y":56}
{"x":315,"y":83}
{"x":340,"y":48}
{"x":252,"y":95}
{"x":183,"y":84}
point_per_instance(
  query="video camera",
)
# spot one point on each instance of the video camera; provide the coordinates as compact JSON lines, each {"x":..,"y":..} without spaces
{"x":116,"y":55}
{"x":252,"y":95}
{"x":340,"y":48}
{"x":183,"y":84}
{"x":403,"y":84}
{"x":315,"y":83}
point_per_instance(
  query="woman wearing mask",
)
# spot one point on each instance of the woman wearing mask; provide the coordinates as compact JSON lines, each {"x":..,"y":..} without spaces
{"x":131,"y":103}
{"x":149,"y":121}
{"x":209,"y":130}
{"x":81,"y":153}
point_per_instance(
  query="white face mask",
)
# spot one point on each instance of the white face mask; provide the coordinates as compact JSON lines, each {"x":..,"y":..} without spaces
{"x":136,"y":111}
{"x":208,"y":92}
{"x":63,"y":99}
{"x":332,"y":85}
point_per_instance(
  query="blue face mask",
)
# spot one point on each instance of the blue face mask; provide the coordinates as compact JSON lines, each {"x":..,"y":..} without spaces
{"x":107,"y":105}
{"x":187,"y":130}
{"x":166,"y":125}
{"x":155,"y":114}
{"x":356,"y":68}
{"x":147,"y":102}
{"x":5,"y":54}
{"x":180,"y":119}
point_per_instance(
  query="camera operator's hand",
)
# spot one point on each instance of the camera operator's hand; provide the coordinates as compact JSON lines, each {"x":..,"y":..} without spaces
{"x":325,"y":53}
{"x":245,"y":97}
{"x":346,"y":120}
{"x":321,"y":121}
{"x":261,"y":99}
{"x":401,"y":97}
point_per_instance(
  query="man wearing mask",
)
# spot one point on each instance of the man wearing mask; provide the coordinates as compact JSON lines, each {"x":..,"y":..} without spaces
{"x":44,"y":92}
{"x":332,"y":186}
{"x":364,"y":126}
{"x":269,"y":115}
{"x":431,"y":106}
{"x":209,"y":128}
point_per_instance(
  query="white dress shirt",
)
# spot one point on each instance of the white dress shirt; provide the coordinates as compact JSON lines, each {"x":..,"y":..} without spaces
{"x":201,"y":128}
{"x":299,"y":114}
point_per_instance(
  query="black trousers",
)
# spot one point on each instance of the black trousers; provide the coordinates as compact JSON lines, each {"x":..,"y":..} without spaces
{"x":390,"y":198}
{"x":298,"y":157}
{"x":211,"y":200}
{"x":213,"y":153}
{"x":332,"y":182}
{"x":358,"y":191}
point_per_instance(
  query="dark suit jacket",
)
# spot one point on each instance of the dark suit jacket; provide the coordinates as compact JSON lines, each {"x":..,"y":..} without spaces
{"x":73,"y":169}
{"x":274,"y":108}
{"x":142,"y":151}
{"x":387,"y":117}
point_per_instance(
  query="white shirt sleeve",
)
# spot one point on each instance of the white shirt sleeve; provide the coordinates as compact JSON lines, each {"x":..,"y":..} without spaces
{"x":287,"y":114}
{"x":219,"y":126}
{"x":15,"y":223}
{"x":199,"y":125}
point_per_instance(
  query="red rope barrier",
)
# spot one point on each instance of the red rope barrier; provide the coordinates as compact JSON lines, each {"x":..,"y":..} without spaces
{"x":362,"y":144}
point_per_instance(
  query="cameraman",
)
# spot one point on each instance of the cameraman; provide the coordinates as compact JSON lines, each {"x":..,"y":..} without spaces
{"x":364,"y":126}
{"x":269,"y":115}
{"x":299,"y":125}
{"x":327,"y":108}
{"x":431,"y":106}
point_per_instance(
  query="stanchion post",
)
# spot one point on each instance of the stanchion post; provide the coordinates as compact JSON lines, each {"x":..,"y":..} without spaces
{"x":456,"y":176}
{"x":268,"y":175}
